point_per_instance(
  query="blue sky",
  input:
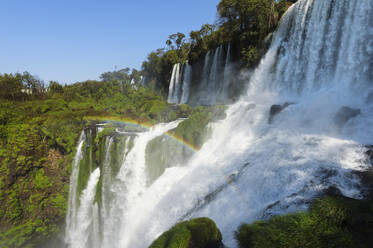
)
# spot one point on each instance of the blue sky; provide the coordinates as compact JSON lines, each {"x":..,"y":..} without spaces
{"x":76,"y":40}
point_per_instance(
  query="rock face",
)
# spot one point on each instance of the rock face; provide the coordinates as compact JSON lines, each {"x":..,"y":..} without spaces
{"x":369,"y":154}
{"x":275,"y":110}
{"x":196,"y":233}
{"x":344,"y":115}
{"x":332,"y":221}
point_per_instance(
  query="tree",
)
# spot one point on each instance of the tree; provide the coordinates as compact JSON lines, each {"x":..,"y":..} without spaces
{"x":176,"y":41}
{"x":120,"y":75}
{"x":11,"y":86}
{"x":55,"y":88}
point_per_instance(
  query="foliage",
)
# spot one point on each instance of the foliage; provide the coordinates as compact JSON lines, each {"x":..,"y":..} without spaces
{"x":37,"y":144}
{"x":41,"y":181}
{"x":242,"y":23}
{"x":331,"y":222}
{"x":196,"y":233}
{"x":194,"y":130}
{"x":20,"y":86}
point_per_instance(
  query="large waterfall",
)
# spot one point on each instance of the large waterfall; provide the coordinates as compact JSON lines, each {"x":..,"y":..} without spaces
{"x":212,"y":84}
{"x":317,"y":71}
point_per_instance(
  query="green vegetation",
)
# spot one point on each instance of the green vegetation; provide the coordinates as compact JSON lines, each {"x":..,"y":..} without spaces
{"x":194,"y":130}
{"x":244,"y":24}
{"x":196,"y":233}
{"x":333,"y":221}
{"x":39,"y":128}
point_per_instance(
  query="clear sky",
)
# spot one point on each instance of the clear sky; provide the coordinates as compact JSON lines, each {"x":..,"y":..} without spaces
{"x":76,"y":40}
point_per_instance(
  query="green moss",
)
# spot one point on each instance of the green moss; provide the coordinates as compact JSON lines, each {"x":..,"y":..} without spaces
{"x":14,"y":208}
{"x":84,"y":169}
{"x":194,"y":129}
{"x":22,"y":235}
{"x":331,"y":222}
{"x":41,"y":181}
{"x":108,"y":130}
{"x":196,"y":233}
{"x":60,"y":203}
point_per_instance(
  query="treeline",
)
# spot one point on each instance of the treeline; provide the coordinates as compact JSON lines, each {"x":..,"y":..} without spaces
{"x":21,"y":87}
{"x":244,"y":24}
{"x":24,"y":86}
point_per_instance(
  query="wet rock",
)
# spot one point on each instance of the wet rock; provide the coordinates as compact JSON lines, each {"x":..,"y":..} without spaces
{"x":366,"y":179}
{"x":369,"y":154}
{"x":276,"y":109}
{"x":344,"y":115}
{"x":332,"y":191}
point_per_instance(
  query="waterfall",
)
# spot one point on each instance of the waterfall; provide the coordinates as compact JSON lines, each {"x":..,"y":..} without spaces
{"x":212,"y":84}
{"x":96,"y":220}
{"x":84,"y":219}
{"x":180,"y":83}
{"x":174,"y":89}
{"x":320,"y":60}
{"x":202,"y":89}
{"x":187,"y":77}
{"x":213,"y":79}
{"x":72,"y":207}
{"x":227,"y":74}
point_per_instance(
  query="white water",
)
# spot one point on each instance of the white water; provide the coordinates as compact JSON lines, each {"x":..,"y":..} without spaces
{"x":186,"y":83}
{"x":212,"y":85}
{"x":286,"y":161}
{"x":72,"y":207}
{"x":79,"y":236}
{"x":119,"y":195}
{"x":227,"y":75}
{"x":321,"y":59}
{"x":213,"y":81}
{"x":174,"y":89}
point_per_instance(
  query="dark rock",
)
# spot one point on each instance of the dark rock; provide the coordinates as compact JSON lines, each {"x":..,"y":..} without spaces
{"x":344,"y":115}
{"x":366,"y":177}
{"x":332,"y":191}
{"x":276,"y":109}
{"x":369,"y":154}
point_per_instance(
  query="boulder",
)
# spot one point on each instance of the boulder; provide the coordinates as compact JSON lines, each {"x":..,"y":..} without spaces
{"x":344,"y":115}
{"x":275,"y":110}
{"x":196,"y":233}
{"x":332,"y":191}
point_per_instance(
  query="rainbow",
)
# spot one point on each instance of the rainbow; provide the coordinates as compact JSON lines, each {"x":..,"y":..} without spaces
{"x":186,"y":144}
{"x":145,"y":125}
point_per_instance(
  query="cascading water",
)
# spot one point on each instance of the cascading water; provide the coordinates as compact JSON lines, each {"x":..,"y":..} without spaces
{"x":186,"y":83}
{"x":227,"y":75}
{"x":214,"y":77}
{"x":174,"y":89}
{"x":320,"y":60}
{"x":212,"y":85}
{"x":96,"y":220}
{"x":71,"y":219}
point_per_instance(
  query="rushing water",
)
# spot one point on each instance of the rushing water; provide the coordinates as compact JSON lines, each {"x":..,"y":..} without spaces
{"x":320,"y":60}
{"x":212,"y":84}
